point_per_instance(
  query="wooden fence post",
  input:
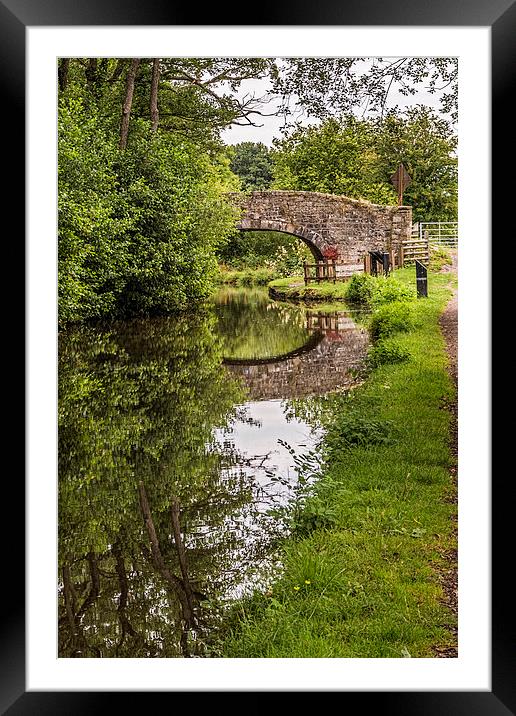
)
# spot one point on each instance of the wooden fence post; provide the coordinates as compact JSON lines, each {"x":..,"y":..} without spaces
{"x":385,"y":263}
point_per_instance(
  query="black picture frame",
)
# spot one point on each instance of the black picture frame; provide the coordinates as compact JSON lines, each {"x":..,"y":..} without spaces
{"x":500,"y":16}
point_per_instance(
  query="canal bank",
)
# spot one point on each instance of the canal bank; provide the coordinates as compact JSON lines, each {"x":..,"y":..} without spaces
{"x":362,"y":568}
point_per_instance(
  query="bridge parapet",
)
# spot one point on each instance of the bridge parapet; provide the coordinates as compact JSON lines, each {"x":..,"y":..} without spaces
{"x":329,"y":224}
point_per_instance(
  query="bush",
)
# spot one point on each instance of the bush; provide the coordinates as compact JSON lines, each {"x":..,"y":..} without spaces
{"x":386,"y":353}
{"x":377,"y":290}
{"x":356,"y":430}
{"x":388,"y":290}
{"x":138,"y":229}
{"x":360,"y":288}
{"x":391,"y":318}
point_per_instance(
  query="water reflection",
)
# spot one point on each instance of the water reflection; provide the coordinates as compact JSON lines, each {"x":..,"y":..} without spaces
{"x":308,"y":351}
{"x":251,"y":325}
{"x":168,"y":465}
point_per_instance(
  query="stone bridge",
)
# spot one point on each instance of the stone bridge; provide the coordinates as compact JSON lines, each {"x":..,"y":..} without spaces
{"x":332,"y":226}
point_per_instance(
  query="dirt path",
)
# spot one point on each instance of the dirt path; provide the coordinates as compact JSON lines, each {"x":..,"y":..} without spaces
{"x":448,"y":574}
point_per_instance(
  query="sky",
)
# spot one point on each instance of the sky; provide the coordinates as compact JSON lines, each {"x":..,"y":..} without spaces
{"x":271,"y":125}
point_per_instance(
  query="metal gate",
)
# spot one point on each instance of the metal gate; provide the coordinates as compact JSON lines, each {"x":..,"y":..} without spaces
{"x":440,"y":233}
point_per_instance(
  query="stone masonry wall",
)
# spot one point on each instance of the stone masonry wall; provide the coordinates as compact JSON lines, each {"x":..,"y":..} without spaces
{"x":331,"y":225}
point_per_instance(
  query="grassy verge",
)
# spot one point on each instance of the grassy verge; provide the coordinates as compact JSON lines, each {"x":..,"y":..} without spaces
{"x":361,"y":565}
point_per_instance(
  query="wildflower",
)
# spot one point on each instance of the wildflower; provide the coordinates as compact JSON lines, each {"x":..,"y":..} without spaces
{"x":296,"y":588}
{"x":307,"y":581}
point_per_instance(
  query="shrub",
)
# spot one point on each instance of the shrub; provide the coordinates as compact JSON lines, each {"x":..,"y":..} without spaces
{"x":360,"y":288}
{"x":388,"y":290}
{"x":356,"y":430}
{"x":386,"y":353}
{"x":391,"y":318}
{"x":376,"y":290}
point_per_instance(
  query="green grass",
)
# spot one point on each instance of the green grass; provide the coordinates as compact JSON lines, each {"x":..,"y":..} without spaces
{"x":360,"y":568}
{"x":439,"y":257}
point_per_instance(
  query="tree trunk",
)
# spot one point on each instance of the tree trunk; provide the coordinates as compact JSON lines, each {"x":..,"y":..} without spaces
{"x":62,"y":73}
{"x":91,"y":74}
{"x":154,"y":113}
{"x":126,"y":110}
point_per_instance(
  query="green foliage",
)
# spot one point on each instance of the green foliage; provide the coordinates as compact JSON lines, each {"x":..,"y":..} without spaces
{"x":138,"y":229}
{"x":374,"y":291}
{"x":357,"y":158}
{"x":94,"y":218}
{"x":315,"y":515}
{"x":334,"y":86}
{"x":387,"y":289}
{"x":181,"y":222}
{"x":352,"y":430}
{"x":252,"y":163}
{"x":360,"y":289}
{"x":279,"y":254}
{"x":336,"y":157}
{"x":427,"y":146}
{"x":385,"y":352}
{"x":246,"y":277}
{"x":390,"y":318}
{"x":439,"y":257}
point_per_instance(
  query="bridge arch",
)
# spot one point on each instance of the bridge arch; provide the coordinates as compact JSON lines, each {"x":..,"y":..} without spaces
{"x":312,"y":239}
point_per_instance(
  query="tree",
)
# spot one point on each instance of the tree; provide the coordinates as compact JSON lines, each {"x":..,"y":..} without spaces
{"x":128,"y":101}
{"x":358,"y":157}
{"x":138,"y":227}
{"x":335,"y":157}
{"x":198,"y":96}
{"x":142,"y":177}
{"x":427,"y":146}
{"x":252,"y":163}
{"x":154,"y":112}
{"x":335,"y":86}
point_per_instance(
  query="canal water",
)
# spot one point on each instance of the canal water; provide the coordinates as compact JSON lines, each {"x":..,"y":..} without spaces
{"x":184,"y":442}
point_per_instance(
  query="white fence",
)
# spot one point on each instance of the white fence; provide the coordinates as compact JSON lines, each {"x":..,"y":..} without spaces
{"x":439,"y":233}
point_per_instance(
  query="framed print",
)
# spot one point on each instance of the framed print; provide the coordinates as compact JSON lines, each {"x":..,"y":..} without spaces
{"x":38,"y":675}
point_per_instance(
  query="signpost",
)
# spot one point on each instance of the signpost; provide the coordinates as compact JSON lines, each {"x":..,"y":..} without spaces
{"x":421,"y":280}
{"x":400,"y":179}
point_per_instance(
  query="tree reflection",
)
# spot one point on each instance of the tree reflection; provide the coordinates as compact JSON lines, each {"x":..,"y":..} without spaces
{"x":150,"y":516}
{"x":252,"y":325}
